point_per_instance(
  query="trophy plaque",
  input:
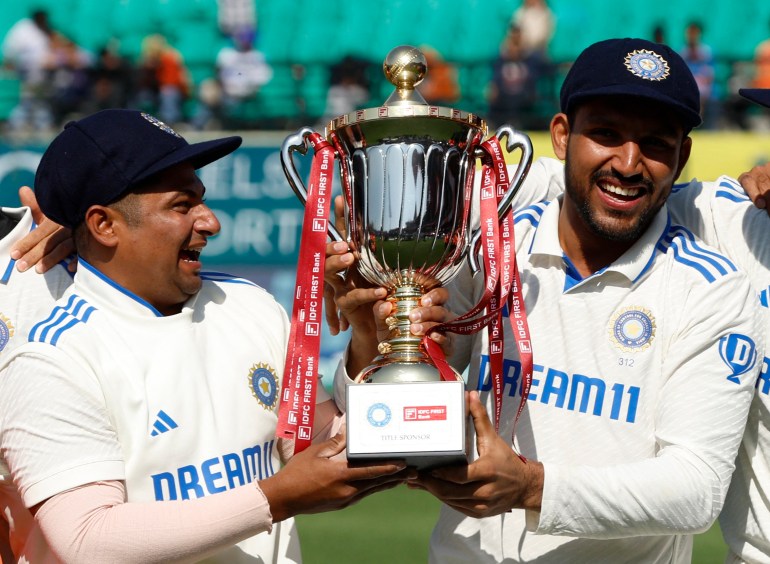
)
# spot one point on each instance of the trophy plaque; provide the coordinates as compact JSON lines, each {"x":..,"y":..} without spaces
{"x":406,"y":170}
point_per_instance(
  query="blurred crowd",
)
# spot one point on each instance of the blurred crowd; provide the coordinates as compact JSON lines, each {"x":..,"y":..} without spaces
{"x":59,"y":80}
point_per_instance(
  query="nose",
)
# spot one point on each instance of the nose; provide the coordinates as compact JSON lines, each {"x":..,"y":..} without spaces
{"x":206,"y":222}
{"x":628,"y":159}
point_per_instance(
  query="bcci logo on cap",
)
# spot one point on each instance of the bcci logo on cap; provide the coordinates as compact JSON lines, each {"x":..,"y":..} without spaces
{"x":647,"y":65}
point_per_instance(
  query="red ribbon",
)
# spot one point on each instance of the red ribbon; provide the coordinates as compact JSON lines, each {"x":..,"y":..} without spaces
{"x":502,"y":286}
{"x":297,"y":408}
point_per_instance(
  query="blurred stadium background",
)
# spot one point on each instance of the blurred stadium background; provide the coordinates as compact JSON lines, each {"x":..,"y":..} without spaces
{"x":304,"y":43}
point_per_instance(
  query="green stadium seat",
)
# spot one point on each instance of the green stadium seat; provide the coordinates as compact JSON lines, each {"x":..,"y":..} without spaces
{"x":10,"y":90}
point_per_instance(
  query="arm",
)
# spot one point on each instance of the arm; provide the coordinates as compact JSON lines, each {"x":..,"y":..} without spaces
{"x":57,"y":437}
{"x":756,"y":182}
{"x":44,"y":246}
{"x":698,"y":423}
{"x":109,"y":529}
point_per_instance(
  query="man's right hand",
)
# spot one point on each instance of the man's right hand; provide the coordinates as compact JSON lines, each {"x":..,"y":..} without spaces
{"x":319,"y":479}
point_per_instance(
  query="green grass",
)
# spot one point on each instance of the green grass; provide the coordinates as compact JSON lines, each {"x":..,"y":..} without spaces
{"x":395,"y":526}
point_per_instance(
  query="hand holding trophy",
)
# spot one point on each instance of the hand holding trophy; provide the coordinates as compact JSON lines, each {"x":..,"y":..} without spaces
{"x":406,"y":170}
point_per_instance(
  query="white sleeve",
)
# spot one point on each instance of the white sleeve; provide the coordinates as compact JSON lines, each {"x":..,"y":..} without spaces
{"x":699,"y":421}
{"x":93,"y":523}
{"x":55,"y":432}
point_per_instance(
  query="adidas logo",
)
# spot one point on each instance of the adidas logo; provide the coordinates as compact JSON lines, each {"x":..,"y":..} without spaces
{"x":163,"y":424}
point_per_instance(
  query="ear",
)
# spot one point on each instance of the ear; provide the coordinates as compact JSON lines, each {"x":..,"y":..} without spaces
{"x":560,"y":135}
{"x":684,"y":156}
{"x":101,"y":222}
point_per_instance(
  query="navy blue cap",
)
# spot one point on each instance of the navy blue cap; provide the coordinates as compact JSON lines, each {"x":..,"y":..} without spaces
{"x":97,"y":159}
{"x":633,"y":67}
{"x":759,"y":96}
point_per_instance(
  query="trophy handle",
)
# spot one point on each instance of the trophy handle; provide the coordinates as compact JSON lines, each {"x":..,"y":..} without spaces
{"x":515,"y":140}
{"x":298,"y":142}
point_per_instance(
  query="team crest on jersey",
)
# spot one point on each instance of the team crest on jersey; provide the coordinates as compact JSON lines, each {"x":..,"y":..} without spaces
{"x":264,"y":384}
{"x":6,"y":331}
{"x":647,"y":65}
{"x":160,"y":125}
{"x":632,"y":329}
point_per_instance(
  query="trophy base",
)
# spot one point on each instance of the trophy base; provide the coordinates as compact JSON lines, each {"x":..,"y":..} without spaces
{"x":422,"y":423}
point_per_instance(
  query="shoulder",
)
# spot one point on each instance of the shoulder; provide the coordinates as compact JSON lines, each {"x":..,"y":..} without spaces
{"x":691,"y":255}
{"x":67,"y":316}
{"x":239,"y":291}
{"x":530,"y":215}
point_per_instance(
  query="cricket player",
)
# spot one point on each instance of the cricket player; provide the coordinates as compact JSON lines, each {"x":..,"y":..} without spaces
{"x":138,"y":422}
{"x":647,"y":344}
{"x":24,"y":296}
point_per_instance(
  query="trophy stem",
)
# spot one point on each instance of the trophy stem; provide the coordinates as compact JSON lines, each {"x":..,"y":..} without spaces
{"x":401,"y":343}
{"x":402,"y":356}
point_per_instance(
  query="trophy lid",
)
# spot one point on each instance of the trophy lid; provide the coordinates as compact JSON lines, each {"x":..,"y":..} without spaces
{"x":405,"y":67}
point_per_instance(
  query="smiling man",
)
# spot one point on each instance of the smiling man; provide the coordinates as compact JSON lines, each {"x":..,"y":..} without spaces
{"x":138,"y":423}
{"x":645,"y":341}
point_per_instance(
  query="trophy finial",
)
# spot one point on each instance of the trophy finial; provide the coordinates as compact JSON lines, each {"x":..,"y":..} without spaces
{"x":405,"y":66}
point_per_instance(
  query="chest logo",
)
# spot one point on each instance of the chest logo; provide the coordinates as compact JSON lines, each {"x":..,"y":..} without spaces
{"x":6,"y":331}
{"x":264,"y":384}
{"x":632,"y":329}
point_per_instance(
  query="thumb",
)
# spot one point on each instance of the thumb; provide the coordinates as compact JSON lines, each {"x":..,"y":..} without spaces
{"x":485,"y":431}
{"x":332,"y":447}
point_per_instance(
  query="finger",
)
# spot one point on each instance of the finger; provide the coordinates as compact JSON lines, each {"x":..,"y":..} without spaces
{"x":756,"y":184}
{"x":339,"y":215}
{"x":437,"y":296}
{"x":27,"y":198}
{"x":32,"y":239}
{"x":43,"y":253}
{"x":484,"y":428}
{"x":56,"y":255}
{"x":330,"y":447}
{"x":330,"y":310}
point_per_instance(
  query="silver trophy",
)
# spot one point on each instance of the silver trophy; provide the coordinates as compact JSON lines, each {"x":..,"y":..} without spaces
{"x":407,"y":170}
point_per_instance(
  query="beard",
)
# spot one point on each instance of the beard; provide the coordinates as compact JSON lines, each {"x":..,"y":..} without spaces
{"x":613,"y":225}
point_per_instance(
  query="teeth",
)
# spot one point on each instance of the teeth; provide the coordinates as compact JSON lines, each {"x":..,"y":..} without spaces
{"x":620,"y":191}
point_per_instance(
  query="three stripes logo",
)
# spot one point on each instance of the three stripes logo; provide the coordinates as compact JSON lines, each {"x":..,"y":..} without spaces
{"x":62,"y":318}
{"x":163,"y":424}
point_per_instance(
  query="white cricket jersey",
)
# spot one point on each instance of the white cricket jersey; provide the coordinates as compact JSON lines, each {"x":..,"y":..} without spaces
{"x":179,"y":407}
{"x":723,"y":215}
{"x":24,"y":296}
{"x":643,"y":377}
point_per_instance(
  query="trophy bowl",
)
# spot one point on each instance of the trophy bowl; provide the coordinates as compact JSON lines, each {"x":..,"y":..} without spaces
{"x":407,"y":171}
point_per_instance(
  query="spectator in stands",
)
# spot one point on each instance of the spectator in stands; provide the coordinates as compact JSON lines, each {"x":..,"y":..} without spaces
{"x":439,"y":87}
{"x":348,"y":87}
{"x":658,"y":33}
{"x":700,"y":60}
{"x":513,"y":90}
{"x":762,"y":64}
{"x":241,"y":71}
{"x":25,"y":49}
{"x":234,"y":15}
{"x":111,"y":80}
{"x":68,"y":75}
{"x":537,"y":23}
{"x":164,"y":81}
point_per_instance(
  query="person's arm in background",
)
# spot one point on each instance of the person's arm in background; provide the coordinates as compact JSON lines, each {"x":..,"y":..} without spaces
{"x":756,"y":183}
{"x":44,"y":246}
